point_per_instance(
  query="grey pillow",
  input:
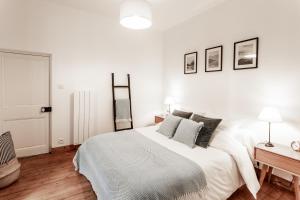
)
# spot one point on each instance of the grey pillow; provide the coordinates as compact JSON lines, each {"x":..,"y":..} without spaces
{"x":206,"y":132}
{"x":187,"y":132}
{"x":169,"y":126}
{"x":182,"y":114}
{"x":7,"y":150}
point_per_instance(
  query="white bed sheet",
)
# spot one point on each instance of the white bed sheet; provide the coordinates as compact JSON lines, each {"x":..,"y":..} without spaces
{"x":222,"y":174}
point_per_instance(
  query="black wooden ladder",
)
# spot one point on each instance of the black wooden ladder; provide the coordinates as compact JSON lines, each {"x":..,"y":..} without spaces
{"x":114,"y":100}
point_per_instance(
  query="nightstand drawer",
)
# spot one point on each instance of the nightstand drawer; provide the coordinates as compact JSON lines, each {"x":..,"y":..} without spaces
{"x":278,"y":161}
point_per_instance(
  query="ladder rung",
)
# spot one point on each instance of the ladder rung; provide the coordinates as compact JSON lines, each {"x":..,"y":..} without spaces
{"x":124,"y":129}
{"x":121,"y":86}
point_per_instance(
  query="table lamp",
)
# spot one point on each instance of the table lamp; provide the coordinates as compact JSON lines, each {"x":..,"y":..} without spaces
{"x":169,"y":101}
{"x":270,"y":115}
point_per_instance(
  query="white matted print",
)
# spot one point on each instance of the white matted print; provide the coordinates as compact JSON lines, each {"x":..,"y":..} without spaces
{"x":246,"y":54}
{"x":190,"y":63}
{"x":213,"y":59}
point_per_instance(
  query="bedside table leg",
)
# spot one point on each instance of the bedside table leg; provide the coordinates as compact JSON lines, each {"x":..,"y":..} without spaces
{"x":270,"y":174}
{"x":296,"y":187}
{"x":263,"y":174}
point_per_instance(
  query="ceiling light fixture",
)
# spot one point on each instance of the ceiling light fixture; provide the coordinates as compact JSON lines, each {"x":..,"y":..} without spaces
{"x":136,"y":14}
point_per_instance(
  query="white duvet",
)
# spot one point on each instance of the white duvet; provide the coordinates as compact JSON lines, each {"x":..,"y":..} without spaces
{"x":226,"y":162}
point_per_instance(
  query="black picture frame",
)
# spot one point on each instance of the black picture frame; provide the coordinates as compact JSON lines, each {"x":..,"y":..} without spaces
{"x":250,"y":59}
{"x":195,"y":54}
{"x":220,"y":67}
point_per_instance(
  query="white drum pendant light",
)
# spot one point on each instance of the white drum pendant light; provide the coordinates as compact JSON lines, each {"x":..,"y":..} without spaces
{"x":136,"y":14}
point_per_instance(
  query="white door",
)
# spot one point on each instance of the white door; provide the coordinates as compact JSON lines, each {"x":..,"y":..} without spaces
{"x":24,"y":90}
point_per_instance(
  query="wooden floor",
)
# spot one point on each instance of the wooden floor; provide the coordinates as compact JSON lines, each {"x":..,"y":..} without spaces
{"x":52,"y":177}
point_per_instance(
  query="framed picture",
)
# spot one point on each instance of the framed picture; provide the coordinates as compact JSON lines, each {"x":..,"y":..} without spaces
{"x":214,"y":59}
{"x":190,"y":63}
{"x":246,"y":54}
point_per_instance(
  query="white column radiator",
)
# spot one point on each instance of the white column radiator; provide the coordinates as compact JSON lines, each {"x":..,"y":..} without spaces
{"x":83,"y":125}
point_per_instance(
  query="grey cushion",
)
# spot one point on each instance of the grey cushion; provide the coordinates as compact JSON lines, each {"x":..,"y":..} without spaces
{"x":182,"y":114}
{"x":7,"y":150}
{"x":187,"y":132}
{"x":206,"y":132}
{"x":169,"y":126}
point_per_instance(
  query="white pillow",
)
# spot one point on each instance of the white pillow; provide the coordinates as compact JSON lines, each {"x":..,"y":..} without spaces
{"x":236,"y":130}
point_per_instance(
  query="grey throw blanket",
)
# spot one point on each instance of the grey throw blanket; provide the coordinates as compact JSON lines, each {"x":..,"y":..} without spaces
{"x":122,"y":110}
{"x":129,"y":166}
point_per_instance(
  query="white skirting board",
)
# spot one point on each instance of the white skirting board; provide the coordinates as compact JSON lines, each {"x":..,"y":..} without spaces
{"x":83,"y":124}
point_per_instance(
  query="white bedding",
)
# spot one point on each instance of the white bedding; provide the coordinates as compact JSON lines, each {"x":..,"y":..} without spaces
{"x":221,"y":166}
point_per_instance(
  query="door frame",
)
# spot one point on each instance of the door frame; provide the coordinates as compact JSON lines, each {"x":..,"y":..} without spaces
{"x":48,"y":55}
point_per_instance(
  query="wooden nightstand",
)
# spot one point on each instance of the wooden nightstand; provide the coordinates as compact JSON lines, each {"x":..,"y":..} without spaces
{"x":280,"y":157}
{"x":159,"y":118}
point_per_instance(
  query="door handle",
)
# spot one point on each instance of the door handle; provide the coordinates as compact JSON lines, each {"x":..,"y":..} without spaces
{"x":46,"y":109}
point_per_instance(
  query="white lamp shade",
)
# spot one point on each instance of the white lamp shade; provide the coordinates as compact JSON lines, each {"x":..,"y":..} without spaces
{"x":136,"y":14}
{"x":169,"y":100}
{"x":270,"y":114}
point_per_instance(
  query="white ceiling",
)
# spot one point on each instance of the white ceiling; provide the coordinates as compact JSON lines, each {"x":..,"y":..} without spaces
{"x":166,"y":13}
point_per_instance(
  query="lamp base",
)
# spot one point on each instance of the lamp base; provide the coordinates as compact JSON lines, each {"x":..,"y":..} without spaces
{"x":269,"y":144}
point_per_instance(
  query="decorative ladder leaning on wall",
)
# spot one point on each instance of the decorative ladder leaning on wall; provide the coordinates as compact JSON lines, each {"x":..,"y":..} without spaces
{"x":125,"y":112}
{"x":83,"y":124}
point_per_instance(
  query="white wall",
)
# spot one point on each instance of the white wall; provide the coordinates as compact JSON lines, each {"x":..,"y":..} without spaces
{"x":235,"y":95}
{"x":240,"y":94}
{"x":86,"y":48}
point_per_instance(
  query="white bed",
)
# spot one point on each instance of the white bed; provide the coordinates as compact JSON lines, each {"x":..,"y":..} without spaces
{"x":226,"y":162}
{"x":222,"y":174}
